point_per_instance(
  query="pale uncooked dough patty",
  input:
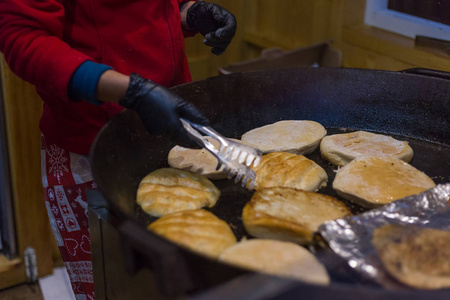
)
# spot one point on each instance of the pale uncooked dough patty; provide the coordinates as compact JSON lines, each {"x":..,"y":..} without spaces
{"x":298,"y":137}
{"x":340,"y":149}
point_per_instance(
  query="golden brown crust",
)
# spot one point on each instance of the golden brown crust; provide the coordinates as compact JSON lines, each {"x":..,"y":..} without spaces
{"x":289,"y":170}
{"x":372,"y":181}
{"x":169,"y":190}
{"x":198,"y":230}
{"x":277,"y":258}
{"x":340,"y":149}
{"x":290,"y":215}
{"x":418,"y":257}
{"x":298,"y":137}
{"x":199,"y":161}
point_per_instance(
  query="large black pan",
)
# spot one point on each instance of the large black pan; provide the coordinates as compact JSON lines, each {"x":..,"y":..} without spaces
{"x":412,"y":105}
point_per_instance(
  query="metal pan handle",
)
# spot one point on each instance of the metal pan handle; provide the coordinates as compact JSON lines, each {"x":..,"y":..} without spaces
{"x":141,"y":249}
{"x":166,"y":260}
{"x":428,"y":72}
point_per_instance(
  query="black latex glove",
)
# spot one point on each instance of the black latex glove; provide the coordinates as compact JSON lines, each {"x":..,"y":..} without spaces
{"x":214,"y":22}
{"x":160,"y":109}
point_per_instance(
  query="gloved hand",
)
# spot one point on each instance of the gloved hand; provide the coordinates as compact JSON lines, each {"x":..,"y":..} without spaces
{"x":160,"y":109}
{"x":214,"y":22}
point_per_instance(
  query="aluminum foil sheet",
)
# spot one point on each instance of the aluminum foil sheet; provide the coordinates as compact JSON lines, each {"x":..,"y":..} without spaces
{"x":350,"y":238}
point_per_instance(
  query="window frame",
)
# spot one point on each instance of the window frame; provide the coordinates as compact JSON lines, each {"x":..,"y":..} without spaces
{"x":378,"y":15}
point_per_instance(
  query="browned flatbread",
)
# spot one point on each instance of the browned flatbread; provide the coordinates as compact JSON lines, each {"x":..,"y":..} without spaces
{"x":340,"y":149}
{"x":294,"y":136}
{"x":418,"y":257}
{"x":283,"y":259}
{"x":289,"y":170}
{"x":290,"y":215}
{"x":198,"y":230}
{"x":199,"y":161}
{"x":169,"y":190}
{"x":372,"y":181}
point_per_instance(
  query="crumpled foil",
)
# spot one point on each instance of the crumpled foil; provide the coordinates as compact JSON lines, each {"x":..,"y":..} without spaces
{"x":350,"y":238}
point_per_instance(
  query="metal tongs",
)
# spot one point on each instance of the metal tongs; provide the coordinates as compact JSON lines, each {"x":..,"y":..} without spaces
{"x":234,"y":158}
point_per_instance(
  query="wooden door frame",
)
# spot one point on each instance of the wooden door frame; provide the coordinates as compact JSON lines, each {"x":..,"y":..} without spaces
{"x":23,"y":107}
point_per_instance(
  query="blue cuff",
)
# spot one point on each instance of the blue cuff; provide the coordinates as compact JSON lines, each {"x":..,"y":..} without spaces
{"x":84,"y":81}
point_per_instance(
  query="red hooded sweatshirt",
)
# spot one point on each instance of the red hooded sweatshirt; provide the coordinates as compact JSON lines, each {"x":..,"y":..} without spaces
{"x":44,"y":42}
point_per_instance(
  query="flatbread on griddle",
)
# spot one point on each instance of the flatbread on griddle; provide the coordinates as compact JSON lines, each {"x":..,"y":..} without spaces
{"x":417,"y":257}
{"x":278,"y":258}
{"x":298,"y":137}
{"x":198,"y":230}
{"x":372,"y":181}
{"x":340,"y":149}
{"x":199,"y":161}
{"x":289,"y":214}
{"x":169,"y":190}
{"x":289,"y":170}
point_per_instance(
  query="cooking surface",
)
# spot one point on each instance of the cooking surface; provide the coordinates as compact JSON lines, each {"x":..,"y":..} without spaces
{"x":430,"y":158}
{"x":408,"y":107}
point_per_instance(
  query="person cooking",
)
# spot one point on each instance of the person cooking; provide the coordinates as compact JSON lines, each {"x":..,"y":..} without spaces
{"x":89,"y":60}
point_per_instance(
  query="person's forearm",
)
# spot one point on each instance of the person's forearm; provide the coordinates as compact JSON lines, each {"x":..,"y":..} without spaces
{"x":112,"y":86}
{"x":183,"y":11}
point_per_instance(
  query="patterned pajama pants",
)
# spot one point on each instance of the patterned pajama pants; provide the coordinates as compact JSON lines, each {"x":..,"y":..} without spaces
{"x":66,"y":177}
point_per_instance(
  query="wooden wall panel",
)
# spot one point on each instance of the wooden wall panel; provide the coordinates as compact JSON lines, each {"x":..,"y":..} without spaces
{"x":23,"y":108}
{"x":286,"y":24}
{"x":293,"y":23}
{"x":366,"y":59}
{"x":353,"y":12}
{"x":393,"y":48}
{"x":202,"y":62}
{"x":364,"y":46}
{"x":290,"y":24}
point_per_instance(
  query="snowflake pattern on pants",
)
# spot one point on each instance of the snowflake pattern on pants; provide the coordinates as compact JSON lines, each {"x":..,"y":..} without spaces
{"x":57,"y":160}
{"x":66,"y":203}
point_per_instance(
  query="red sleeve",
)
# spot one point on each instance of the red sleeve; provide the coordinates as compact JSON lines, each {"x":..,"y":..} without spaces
{"x":187,"y":33}
{"x":180,"y":2}
{"x":31,"y":40}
